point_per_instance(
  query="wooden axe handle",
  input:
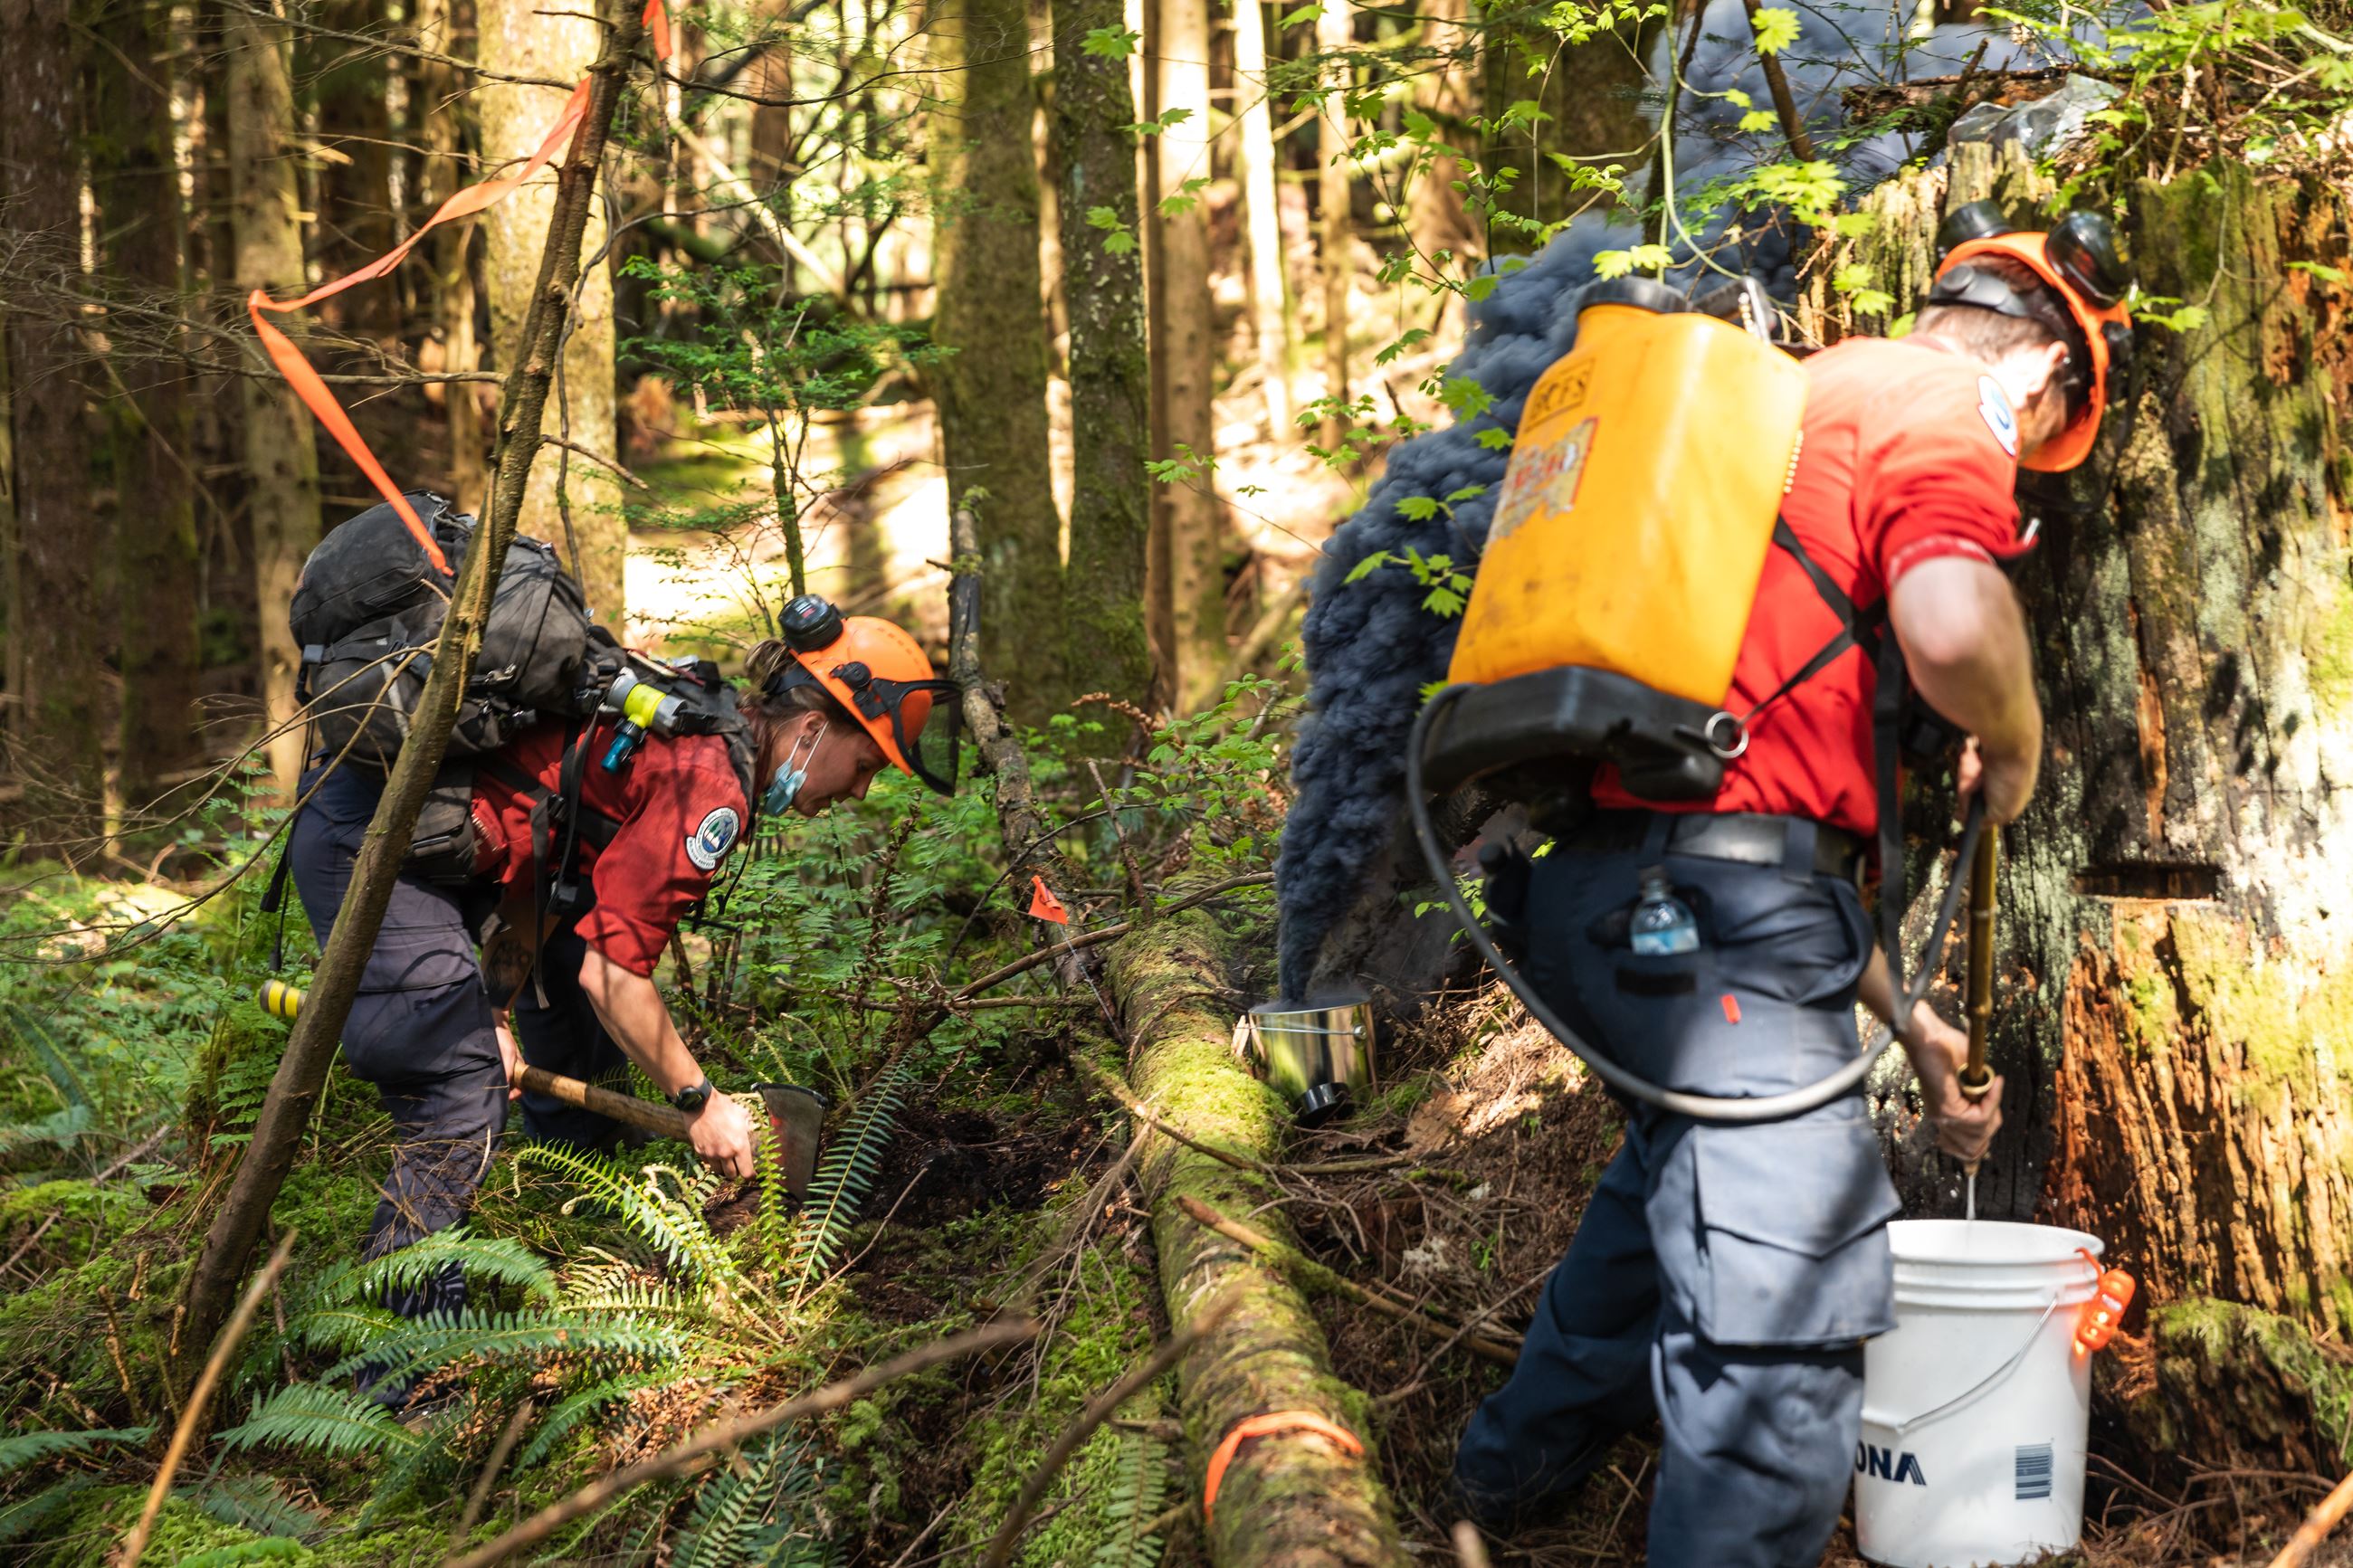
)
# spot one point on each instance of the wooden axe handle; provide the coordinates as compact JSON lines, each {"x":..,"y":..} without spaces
{"x":668,"y":1121}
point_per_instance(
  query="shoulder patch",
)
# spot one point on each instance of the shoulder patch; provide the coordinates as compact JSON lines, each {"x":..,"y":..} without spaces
{"x":1994,"y":405}
{"x":709,"y":843}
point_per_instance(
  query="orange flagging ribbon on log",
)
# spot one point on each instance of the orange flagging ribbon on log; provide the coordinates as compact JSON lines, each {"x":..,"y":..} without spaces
{"x":474,"y":198}
{"x":1266,"y":1425}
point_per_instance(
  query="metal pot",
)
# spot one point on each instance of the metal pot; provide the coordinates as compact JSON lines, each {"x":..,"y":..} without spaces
{"x":1318,"y":1055}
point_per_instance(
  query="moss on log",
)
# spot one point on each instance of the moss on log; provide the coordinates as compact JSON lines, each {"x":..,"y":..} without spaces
{"x":1295,"y":1499}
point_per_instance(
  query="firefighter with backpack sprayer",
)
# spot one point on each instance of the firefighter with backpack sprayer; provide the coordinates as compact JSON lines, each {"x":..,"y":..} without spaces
{"x":579,"y":844}
{"x":1699,"y":918}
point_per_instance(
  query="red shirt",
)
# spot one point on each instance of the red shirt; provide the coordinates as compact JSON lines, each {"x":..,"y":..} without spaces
{"x":1909,"y":454}
{"x":680,"y":810}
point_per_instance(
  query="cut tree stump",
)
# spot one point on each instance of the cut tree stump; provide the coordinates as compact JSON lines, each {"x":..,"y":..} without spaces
{"x":1293,"y":1499}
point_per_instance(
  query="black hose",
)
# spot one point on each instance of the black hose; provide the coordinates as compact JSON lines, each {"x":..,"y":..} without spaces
{"x":1699,"y":1107}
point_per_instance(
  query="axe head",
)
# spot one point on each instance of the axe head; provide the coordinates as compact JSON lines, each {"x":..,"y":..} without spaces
{"x":797,"y":1122}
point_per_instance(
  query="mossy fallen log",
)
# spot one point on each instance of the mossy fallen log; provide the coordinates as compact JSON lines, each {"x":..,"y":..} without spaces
{"x":1294,"y":1498}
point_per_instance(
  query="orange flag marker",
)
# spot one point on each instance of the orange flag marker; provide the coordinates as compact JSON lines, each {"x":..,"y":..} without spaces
{"x":1044,"y":906}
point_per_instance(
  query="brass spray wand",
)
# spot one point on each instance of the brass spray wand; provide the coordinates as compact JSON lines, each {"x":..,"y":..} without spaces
{"x":1976,"y":1077}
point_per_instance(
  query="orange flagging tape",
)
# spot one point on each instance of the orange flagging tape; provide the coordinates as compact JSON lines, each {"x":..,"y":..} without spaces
{"x":474,"y":198}
{"x":1266,"y":1425}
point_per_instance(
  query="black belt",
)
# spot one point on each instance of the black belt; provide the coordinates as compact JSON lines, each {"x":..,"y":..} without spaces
{"x":1750,"y":837}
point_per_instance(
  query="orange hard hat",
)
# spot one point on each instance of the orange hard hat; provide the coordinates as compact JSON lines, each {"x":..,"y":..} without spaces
{"x":877,"y":671}
{"x":2080,"y":264}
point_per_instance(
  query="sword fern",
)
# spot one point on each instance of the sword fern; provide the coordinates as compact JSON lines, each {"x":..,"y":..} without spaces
{"x":843,"y":1179}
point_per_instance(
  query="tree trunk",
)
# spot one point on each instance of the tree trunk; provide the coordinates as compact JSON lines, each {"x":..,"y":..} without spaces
{"x":302,"y":1072}
{"x":1185,"y":358}
{"x":1104,"y":591}
{"x":59,"y":712}
{"x":1588,"y":100}
{"x":1335,"y":243}
{"x":1293,"y":1499}
{"x":581,"y":518}
{"x":442,"y":108}
{"x":1261,"y":214}
{"x":2172,"y":956}
{"x":135,"y":187}
{"x":281,"y":456}
{"x":992,"y":390}
{"x":344,"y":87}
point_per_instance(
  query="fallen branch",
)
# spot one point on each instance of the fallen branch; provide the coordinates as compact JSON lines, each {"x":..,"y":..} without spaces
{"x":1316,"y":1275}
{"x":2317,"y":1526}
{"x":1174,"y":1349}
{"x":1106,"y":933}
{"x":703,"y":1449}
{"x":184,"y":1435}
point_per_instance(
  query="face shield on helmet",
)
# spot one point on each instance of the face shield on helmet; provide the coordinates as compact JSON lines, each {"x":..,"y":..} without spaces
{"x":877,"y":671}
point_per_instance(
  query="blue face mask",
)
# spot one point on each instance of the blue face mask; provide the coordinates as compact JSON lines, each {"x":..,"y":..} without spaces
{"x":785,"y":787}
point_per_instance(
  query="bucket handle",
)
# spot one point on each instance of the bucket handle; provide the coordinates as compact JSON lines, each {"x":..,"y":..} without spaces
{"x":1968,"y":1396}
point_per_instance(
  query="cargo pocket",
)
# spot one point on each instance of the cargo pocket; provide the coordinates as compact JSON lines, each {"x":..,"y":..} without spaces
{"x":1793,"y":1241}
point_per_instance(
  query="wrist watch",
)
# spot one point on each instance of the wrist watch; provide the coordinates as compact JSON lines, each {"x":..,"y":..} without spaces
{"x":693,"y":1097}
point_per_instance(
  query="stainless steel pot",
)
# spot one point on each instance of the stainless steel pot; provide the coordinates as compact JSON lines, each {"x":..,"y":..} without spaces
{"x":1318,"y":1057}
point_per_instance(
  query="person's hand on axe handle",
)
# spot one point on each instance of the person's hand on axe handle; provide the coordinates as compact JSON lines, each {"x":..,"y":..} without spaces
{"x":632,"y":1011}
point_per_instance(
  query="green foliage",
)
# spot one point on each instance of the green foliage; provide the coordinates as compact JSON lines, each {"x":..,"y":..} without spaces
{"x":1450,"y":590}
{"x":739,"y":1515}
{"x":1129,"y":1509}
{"x":664,"y":1214}
{"x":485,"y":1259}
{"x":24,"y":1449}
{"x":261,"y":1504}
{"x":419,"y":1345}
{"x":576,"y":1409}
{"x":1776,"y":28}
{"x":844,"y":1177}
{"x":324,"y":1420}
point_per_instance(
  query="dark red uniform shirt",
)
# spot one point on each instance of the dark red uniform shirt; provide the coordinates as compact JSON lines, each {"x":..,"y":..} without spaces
{"x":1910,"y":453}
{"x":680,"y":811}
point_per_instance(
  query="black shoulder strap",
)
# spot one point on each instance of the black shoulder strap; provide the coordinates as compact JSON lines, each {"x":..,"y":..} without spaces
{"x":1855,"y":629}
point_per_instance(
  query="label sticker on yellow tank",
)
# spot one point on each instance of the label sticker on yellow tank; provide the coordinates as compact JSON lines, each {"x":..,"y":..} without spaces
{"x":1544,"y":480}
{"x":1557,"y":395}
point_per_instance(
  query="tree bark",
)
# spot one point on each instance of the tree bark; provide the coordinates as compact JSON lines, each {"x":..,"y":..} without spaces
{"x":1104,"y":591}
{"x":135,"y":187}
{"x":280,"y":450}
{"x":311,"y":1045}
{"x":524,"y":38}
{"x":1294,"y":1499}
{"x":992,"y":389}
{"x":1185,"y":358}
{"x":1335,"y":241}
{"x":442,"y":110}
{"x":1261,"y":214}
{"x":1589,"y":95}
{"x":2171,"y":964}
{"x":58,"y":715}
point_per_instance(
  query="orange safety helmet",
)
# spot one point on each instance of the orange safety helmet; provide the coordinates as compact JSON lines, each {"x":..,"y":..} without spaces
{"x":877,"y":671}
{"x":2087,"y":280}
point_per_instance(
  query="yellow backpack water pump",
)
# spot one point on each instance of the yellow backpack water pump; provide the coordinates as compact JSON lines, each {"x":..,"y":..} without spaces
{"x":1624,"y":556}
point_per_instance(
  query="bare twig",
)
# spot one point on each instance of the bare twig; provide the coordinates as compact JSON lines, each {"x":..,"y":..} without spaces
{"x":2317,"y":1526}
{"x":480,"y":1495}
{"x":1111,"y":1085}
{"x":1315,"y":1274}
{"x":1109,"y":932}
{"x":1793,"y":124}
{"x":703,"y":1449}
{"x":184,"y":1435}
{"x":1469,"y":1549}
{"x":1174,"y":1349}
{"x":598,"y":458}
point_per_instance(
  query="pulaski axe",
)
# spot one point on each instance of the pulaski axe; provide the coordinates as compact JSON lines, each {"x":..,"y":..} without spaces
{"x":795,"y":1115}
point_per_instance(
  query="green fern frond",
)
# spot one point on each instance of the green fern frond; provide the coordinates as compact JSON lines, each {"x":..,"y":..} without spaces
{"x":505,"y":1339}
{"x":260,"y":1503}
{"x":498,"y":1259}
{"x":736,"y":1514}
{"x":27,"y":1515}
{"x":844,"y":1177}
{"x":1143,"y":1493}
{"x":578,"y":1407}
{"x":31,"y":1447}
{"x":59,"y":1127}
{"x":409,"y":1469}
{"x":343,"y":1330}
{"x":618,"y":1287}
{"x":773,"y":1222}
{"x":674,"y":1229}
{"x":325,"y":1420}
{"x":42,"y":1044}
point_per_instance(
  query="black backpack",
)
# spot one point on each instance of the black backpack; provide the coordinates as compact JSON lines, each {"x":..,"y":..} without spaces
{"x":369,"y":610}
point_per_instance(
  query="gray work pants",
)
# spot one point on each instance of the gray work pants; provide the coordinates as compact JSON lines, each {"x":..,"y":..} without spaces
{"x":1724,"y":1277}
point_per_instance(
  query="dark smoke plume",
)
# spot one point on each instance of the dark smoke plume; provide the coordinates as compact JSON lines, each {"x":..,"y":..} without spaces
{"x":1370,"y":646}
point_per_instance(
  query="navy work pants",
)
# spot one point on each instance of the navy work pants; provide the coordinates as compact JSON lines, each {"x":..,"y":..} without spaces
{"x":420,"y":1031}
{"x":1724,"y":1277}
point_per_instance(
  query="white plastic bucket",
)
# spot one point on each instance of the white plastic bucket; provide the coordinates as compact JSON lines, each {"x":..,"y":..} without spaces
{"x":1975,"y":1410}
